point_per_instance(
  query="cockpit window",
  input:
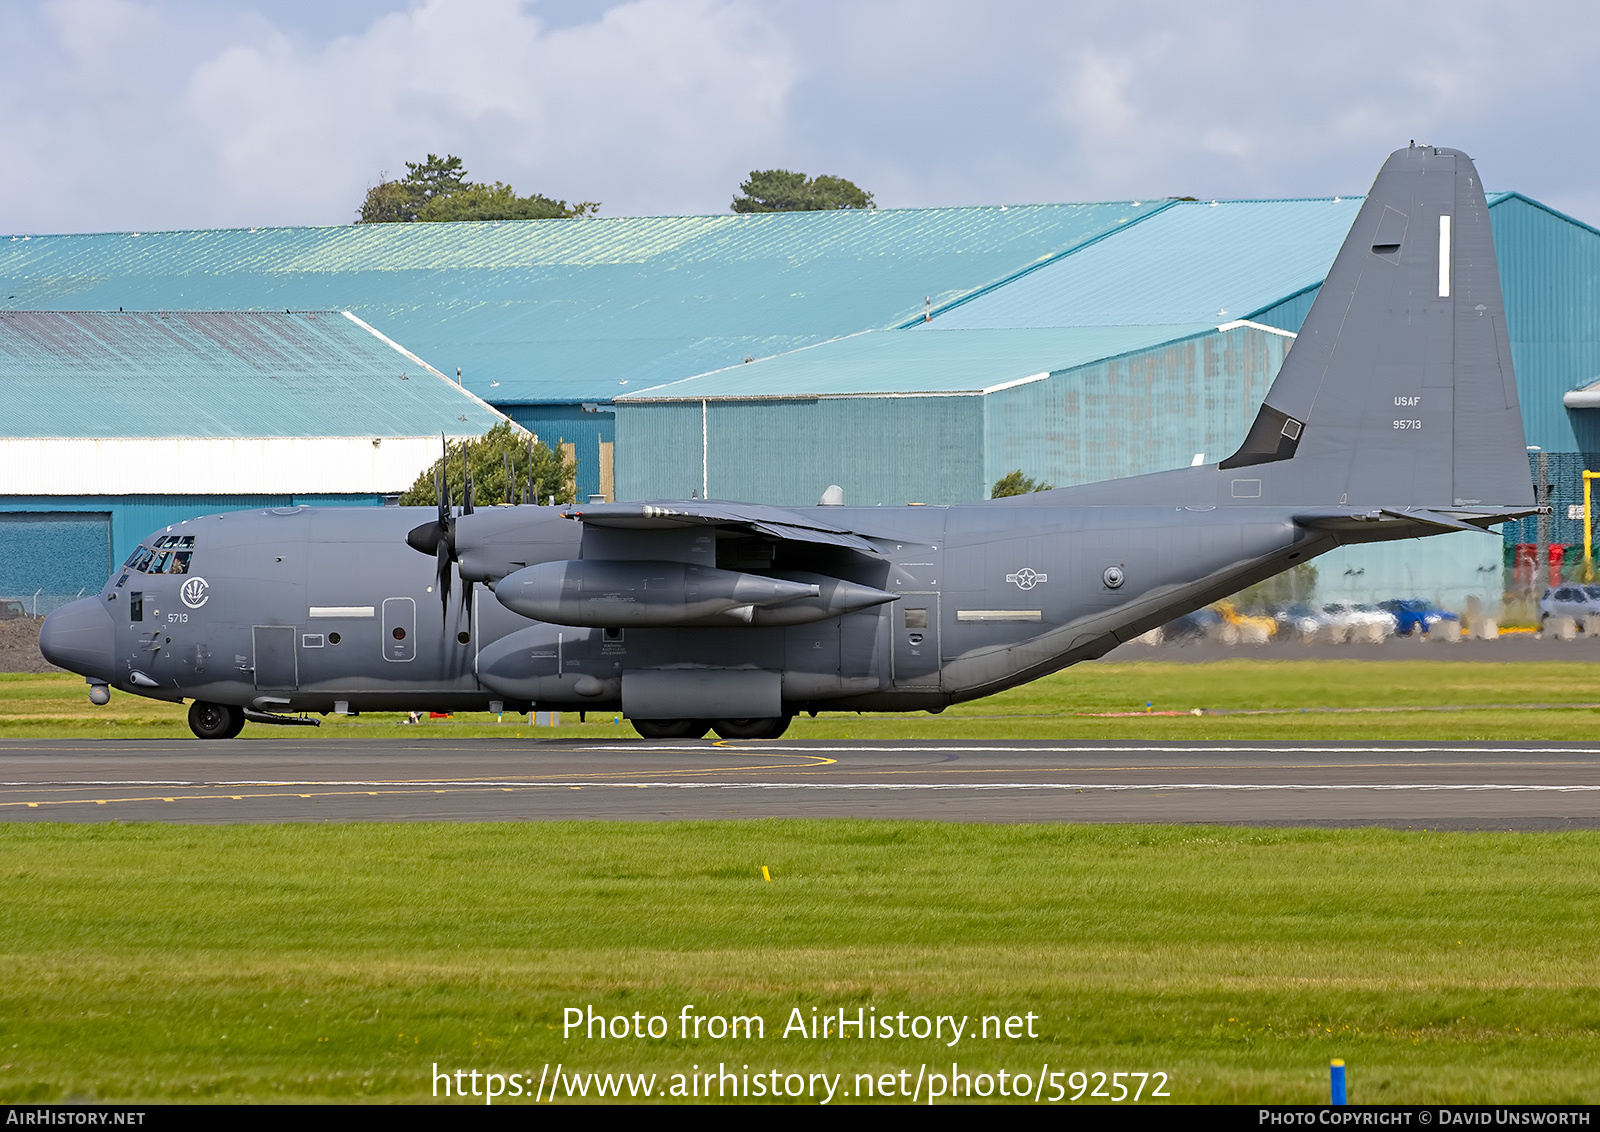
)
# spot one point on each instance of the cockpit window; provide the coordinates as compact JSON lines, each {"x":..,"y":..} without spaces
{"x":164,"y":558}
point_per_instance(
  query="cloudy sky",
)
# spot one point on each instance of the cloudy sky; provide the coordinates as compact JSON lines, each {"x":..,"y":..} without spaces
{"x":146,"y":114}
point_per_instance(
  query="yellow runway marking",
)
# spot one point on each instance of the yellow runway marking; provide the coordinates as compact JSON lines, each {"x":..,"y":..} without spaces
{"x":273,"y":794}
{"x":815,"y":761}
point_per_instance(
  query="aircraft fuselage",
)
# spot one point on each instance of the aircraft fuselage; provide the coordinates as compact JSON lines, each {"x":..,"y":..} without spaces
{"x":325,"y":609}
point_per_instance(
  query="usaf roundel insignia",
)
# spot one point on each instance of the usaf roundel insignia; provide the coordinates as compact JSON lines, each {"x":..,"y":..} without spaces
{"x":195,"y":592}
{"x":1026,"y":579}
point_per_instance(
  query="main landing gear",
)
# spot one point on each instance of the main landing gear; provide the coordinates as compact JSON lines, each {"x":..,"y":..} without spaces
{"x":766,"y":728}
{"x":215,"y":721}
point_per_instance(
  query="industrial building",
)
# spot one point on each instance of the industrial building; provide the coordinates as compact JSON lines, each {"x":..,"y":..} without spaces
{"x":909,"y":356}
{"x":119,"y":423}
{"x":1148,"y":348}
{"x":548,"y":320}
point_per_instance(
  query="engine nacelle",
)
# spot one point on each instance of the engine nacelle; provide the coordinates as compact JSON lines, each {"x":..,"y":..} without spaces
{"x":607,"y":593}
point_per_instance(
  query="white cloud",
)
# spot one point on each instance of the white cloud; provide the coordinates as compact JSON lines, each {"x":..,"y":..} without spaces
{"x":183,"y":113}
{"x":644,"y":96}
{"x":651,"y":102}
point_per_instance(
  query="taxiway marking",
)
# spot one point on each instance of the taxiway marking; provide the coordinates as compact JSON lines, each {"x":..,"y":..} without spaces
{"x":890,"y":787}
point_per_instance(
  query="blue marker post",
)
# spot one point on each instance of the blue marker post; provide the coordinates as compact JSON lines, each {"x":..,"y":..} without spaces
{"x":1336,"y":1081}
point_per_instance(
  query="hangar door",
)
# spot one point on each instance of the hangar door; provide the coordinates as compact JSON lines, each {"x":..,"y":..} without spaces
{"x":53,"y":556}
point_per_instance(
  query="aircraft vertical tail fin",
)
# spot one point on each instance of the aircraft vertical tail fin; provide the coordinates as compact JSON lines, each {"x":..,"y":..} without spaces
{"x":1399,"y":390}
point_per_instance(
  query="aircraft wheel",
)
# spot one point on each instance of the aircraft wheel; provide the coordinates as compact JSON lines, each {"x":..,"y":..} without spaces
{"x":769,"y":728}
{"x":671,"y":728}
{"x":215,"y":721}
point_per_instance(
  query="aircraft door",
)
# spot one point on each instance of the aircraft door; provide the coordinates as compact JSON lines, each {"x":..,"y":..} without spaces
{"x":399,"y":629}
{"x":277,"y":667}
{"x":916,"y":640}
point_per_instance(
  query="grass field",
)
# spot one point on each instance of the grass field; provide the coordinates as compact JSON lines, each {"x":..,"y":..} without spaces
{"x":342,"y":962}
{"x":1339,"y":699}
{"x":284,"y":963}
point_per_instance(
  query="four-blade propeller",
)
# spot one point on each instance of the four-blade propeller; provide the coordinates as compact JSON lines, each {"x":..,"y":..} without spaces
{"x":438,"y":538}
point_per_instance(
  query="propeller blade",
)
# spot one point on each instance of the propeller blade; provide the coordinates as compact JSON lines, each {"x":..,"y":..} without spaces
{"x":442,"y":559}
{"x":509,"y":494}
{"x":441,"y":481}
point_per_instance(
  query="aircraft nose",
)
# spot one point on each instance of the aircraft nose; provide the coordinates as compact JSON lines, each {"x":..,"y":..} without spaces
{"x":80,"y":637}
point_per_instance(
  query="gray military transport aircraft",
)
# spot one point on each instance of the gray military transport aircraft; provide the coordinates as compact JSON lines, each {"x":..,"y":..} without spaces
{"x":1394,"y":415}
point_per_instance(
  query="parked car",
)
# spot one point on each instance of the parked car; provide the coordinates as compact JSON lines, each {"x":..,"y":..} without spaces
{"x":11,"y":608}
{"x":1297,"y":617}
{"x":1414,"y":615}
{"x":1352,"y":616}
{"x":1572,"y":600}
{"x":1253,"y":628}
{"x":1191,"y":626}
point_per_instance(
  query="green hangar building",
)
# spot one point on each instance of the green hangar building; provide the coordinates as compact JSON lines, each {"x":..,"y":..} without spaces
{"x":908,"y":356}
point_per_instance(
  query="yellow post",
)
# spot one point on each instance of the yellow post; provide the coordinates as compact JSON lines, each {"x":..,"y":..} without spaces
{"x":1588,"y":528}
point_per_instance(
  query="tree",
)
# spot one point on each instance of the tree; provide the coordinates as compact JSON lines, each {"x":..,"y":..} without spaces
{"x":500,"y":202}
{"x":488,"y":456}
{"x":387,"y":202}
{"x":437,"y":189}
{"x":1015,"y":483}
{"x":778,"y":190}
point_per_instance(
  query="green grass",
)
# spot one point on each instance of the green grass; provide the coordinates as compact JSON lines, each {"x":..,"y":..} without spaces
{"x":1397,"y":700}
{"x":148,"y":963}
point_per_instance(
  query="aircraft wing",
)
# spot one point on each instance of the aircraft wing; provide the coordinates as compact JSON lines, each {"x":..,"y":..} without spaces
{"x":753,"y":518}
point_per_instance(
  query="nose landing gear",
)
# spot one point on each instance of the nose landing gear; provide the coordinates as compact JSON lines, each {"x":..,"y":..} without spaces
{"x":215,"y":721}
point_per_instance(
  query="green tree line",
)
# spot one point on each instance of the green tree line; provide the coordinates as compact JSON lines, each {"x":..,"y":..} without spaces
{"x":436,"y":188}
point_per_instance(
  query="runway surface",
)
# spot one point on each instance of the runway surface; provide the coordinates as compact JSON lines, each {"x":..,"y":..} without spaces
{"x":1446,"y":786}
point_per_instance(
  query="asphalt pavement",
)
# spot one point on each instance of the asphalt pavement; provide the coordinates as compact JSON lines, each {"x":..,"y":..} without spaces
{"x":1456,"y":786}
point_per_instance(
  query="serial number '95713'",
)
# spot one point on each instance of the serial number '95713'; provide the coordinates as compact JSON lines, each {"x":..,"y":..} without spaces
{"x":1408,"y":424}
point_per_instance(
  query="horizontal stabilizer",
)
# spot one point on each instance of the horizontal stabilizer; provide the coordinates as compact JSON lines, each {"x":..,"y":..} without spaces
{"x":1347,"y":519}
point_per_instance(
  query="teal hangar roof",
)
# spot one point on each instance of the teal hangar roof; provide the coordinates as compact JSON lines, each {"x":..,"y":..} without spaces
{"x":921,"y":362}
{"x":1195,"y":261}
{"x":1185,"y":270}
{"x":574,"y":310}
{"x":95,"y":374}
